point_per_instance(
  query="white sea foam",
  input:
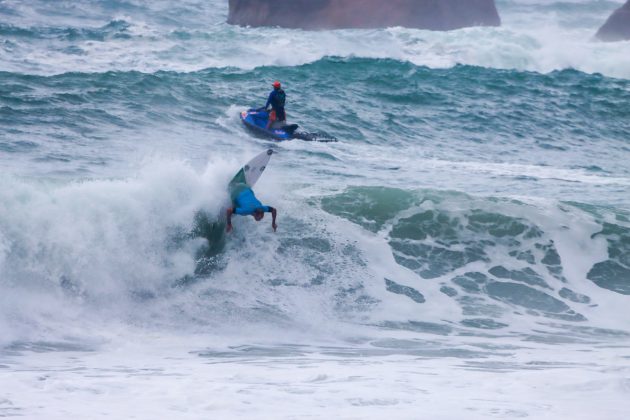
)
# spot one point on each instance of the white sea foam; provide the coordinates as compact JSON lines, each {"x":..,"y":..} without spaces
{"x":262,"y":328}
{"x":178,"y":377}
{"x":532,"y":38}
{"x":95,"y":242}
{"x":104,"y":241}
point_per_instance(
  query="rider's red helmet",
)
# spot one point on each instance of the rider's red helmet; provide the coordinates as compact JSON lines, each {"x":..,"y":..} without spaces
{"x":276,"y":84}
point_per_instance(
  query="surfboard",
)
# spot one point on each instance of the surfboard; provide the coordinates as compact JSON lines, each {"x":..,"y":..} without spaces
{"x":213,"y":228}
{"x":251,"y":172}
{"x":248,"y":175}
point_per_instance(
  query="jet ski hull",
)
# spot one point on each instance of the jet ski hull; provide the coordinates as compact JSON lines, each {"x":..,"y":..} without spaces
{"x":257,"y":120}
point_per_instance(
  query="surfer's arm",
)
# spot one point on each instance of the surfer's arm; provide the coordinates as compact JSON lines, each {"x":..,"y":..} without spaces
{"x":228,"y":213}
{"x":274,"y":213}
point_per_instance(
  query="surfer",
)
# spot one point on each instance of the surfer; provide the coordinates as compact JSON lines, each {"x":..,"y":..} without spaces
{"x":277,"y":99}
{"x":245,"y":203}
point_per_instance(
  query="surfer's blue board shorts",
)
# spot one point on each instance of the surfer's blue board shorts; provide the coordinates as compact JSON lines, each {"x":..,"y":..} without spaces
{"x":246,"y":203}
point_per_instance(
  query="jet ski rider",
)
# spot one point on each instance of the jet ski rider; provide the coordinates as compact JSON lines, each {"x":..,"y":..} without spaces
{"x":277,"y":99}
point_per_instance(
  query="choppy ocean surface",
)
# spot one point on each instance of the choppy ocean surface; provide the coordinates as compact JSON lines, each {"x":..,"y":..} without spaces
{"x":463,"y":251}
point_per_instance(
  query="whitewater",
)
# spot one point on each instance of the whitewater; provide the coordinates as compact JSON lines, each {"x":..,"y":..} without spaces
{"x":463,"y":251}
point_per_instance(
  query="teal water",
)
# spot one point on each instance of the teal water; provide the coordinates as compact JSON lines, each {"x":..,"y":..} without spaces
{"x":483,"y":170}
{"x":462,"y":252}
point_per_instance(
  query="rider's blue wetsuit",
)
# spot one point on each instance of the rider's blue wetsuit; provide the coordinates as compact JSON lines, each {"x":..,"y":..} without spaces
{"x":246,"y":203}
{"x":277,"y":99}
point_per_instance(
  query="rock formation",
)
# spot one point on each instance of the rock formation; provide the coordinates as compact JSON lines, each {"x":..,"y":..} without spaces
{"x":439,"y":15}
{"x":617,"y":27}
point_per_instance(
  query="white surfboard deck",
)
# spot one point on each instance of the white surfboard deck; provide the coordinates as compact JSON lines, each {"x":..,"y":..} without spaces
{"x":248,"y":174}
{"x":255,"y":167}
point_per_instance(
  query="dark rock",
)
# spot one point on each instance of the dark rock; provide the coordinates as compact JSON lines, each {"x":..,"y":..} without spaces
{"x":436,"y":15}
{"x":617,"y":27}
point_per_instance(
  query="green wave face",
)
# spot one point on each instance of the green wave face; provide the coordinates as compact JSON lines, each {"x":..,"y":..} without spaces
{"x":482,"y":252}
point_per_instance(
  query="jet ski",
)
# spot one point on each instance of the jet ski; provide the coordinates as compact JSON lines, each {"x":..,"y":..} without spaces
{"x":256,"y":120}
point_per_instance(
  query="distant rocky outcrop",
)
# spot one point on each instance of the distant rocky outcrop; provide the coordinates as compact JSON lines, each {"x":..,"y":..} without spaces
{"x":438,"y":15}
{"x":617,"y":27}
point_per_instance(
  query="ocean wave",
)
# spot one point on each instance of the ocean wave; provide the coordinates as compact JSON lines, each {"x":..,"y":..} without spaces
{"x":472,"y":112}
{"x":149,"y":37}
{"x":496,"y":257}
{"x":122,"y":249}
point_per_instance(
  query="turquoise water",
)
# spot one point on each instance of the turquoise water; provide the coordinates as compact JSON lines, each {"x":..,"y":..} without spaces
{"x":483,"y":170}
{"x":462,"y":251}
